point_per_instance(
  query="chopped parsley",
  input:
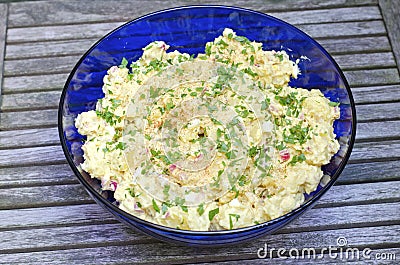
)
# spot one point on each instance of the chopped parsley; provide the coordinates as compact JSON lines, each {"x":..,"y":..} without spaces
{"x":212,"y":213}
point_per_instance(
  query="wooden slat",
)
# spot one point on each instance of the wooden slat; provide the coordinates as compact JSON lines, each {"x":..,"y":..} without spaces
{"x":31,"y":156}
{"x":376,"y":94}
{"x":378,"y":111}
{"x":31,"y":101}
{"x":97,"y":30}
{"x":3,"y":31}
{"x":378,"y":130}
{"x":28,"y":138}
{"x":66,"y":63}
{"x":34,"y":83}
{"x":363,"y":193}
{"x":354,"y":45}
{"x":78,"y":47}
{"x":75,"y":12}
{"x":367,"y":61}
{"x":375,"y":150}
{"x":340,"y":195}
{"x":36,"y":176}
{"x":69,"y":32}
{"x":40,"y":66}
{"x":49,"y":136}
{"x":376,"y":257}
{"x":314,"y":219}
{"x":53,"y":154}
{"x":49,"y":48}
{"x":28,"y":119}
{"x":370,"y":172}
{"x":390,"y":12}
{"x":26,"y":197}
{"x":107,"y":239}
{"x":37,"y":118}
{"x":346,"y":29}
{"x":372,"y":77}
{"x":52,"y":174}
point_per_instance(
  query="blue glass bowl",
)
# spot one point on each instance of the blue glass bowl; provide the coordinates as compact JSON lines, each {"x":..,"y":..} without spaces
{"x":187,"y":29}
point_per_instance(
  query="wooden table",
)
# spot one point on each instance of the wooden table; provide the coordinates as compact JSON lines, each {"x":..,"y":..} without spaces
{"x":47,"y":218}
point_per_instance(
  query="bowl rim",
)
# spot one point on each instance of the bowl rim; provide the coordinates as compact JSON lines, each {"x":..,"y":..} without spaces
{"x":288,"y":216}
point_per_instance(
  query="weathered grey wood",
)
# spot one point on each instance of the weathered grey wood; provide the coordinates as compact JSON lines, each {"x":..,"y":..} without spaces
{"x":375,"y":151}
{"x":74,"y":12}
{"x":370,"y":131}
{"x":66,"y":63}
{"x":53,"y":154}
{"x":28,"y":119}
{"x":365,"y":61}
{"x":31,"y":156}
{"x":314,"y":219}
{"x":37,"y":176}
{"x":390,"y":11}
{"x":378,"y":111}
{"x":101,"y":252}
{"x":354,"y":45}
{"x":34,"y":83}
{"x":370,"y":172}
{"x":323,"y":259}
{"x":52,"y":174}
{"x":70,"y":32}
{"x":340,"y":195}
{"x":378,"y":130}
{"x":97,"y":30}
{"x":372,"y":77}
{"x":28,"y":138}
{"x":31,"y":101}
{"x":345,"y":29}
{"x":3,"y":31}
{"x":157,"y":253}
{"x":358,"y":78}
{"x":50,"y":65}
{"x":49,"y":48}
{"x":363,"y":193}
{"x":78,"y":47}
{"x":376,"y":94}
{"x":26,"y":197}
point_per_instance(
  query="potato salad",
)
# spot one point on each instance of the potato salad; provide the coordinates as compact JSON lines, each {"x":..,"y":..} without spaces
{"x":213,"y":141}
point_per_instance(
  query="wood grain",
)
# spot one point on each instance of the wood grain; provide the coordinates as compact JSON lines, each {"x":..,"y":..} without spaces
{"x":376,"y":94}
{"x":382,"y":111}
{"x":390,"y":12}
{"x":89,"y":214}
{"x":29,"y":138}
{"x":28,"y":119}
{"x":50,"y":65}
{"x":31,"y":156}
{"x":372,"y":77}
{"x":26,"y":197}
{"x":370,"y":172}
{"x":31,"y":101}
{"x":135,"y":251}
{"x":79,"y":47}
{"x":3,"y":33}
{"x":378,"y":130}
{"x":323,"y":259}
{"x":34,"y":83}
{"x":50,"y":12}
{"x":53,"y":174}
{"x":97,"y":30}
{"x":52,"y":195}
{"x":36,"y":176}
